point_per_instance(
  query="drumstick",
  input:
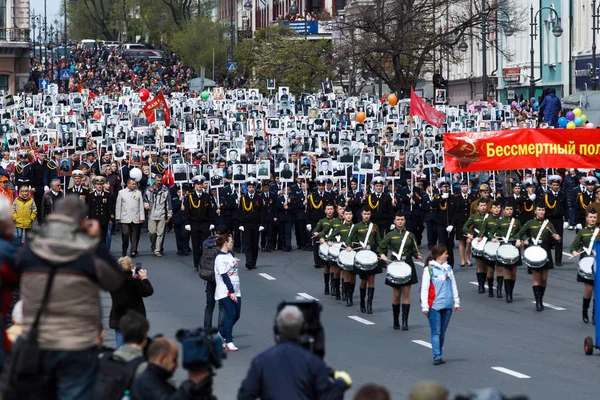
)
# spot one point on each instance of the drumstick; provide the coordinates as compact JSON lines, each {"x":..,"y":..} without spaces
{"x":578,"y":254}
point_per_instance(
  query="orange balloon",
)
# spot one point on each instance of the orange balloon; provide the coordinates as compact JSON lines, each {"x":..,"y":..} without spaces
{"x":392,"y":99}
{"x":360,"y":117}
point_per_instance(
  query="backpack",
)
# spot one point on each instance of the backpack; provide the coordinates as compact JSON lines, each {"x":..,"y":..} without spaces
{"x":206,"y":270}
{"x":114,"y":376}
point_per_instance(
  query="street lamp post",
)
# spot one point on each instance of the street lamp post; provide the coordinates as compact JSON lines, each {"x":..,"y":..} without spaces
{"x":595,"y":27}
{"x":556,"y":31}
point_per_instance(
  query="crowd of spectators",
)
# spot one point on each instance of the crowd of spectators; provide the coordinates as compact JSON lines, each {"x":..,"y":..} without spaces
{"x":309,"y":16}
{"x":104,"y":69}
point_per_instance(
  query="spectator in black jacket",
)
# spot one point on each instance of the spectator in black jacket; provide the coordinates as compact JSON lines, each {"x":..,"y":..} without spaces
{"x":36,"y":180}
{"x":182,"y":237}
{"x":129,"y":297}
{"x":289,"y":371}
{"x":153,"y":383}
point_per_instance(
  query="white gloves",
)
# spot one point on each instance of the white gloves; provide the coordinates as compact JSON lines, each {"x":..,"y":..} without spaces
{"x":565,"y":225}
{"x":188,"y":228}
{"x":449,"y":228}
{"x":578,"y":226}
{"x":309,"y":227}
{"x":211,"y":227}
{"x":532,"y":196}
{"x":392,"y":227}
{"x":46,"y":189}
{"x":261,"y":228}
{"x":242,"y":228}
{"x":445,"y":195}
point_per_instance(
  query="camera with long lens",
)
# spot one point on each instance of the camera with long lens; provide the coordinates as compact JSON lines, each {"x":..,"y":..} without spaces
{"x":313,"y":335}
{"x":201,"y":348}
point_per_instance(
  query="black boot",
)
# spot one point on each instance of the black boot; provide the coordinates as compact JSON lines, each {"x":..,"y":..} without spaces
{"x":344,"y":290}
{"x":363,"y":294}
{"x":405,"y":312}
{"x":326,"y":279}
{"x":584,"y":312}
{"x":537,"y":295}
{"x":350,"y":295}
{"x":332,"y":281}
{"x":542,"y":292}
{"x":510,"y":284}
{"x":499,"y":283}
{"x":481,"y":282}
{"x":336,"y":287}
{"x":490,"y":282}
{"x":396,"y":314}
{"x":370,"y":300}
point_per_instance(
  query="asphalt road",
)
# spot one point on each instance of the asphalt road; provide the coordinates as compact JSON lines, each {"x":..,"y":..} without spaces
{"x":489,"y":343}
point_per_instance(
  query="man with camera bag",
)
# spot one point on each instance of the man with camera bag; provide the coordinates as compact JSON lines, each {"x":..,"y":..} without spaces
{"x":289,"y":371}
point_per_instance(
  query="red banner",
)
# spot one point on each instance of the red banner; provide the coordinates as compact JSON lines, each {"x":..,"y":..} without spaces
{"x":418,"y":108}
{"x":521,"y":148}
{"x":157,"y":103}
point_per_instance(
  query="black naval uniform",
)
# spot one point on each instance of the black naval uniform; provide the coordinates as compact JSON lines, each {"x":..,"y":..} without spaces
{"x":101,"y":206}
{"x":284,"y":210}
{"x":444,"y":210}
{"x":198,"y":213}
{"x":556,"y":213}
{"x":37,"y":175}
{"x":253,"y":218}
{"x":82,"y":191}
{"x":382,"y":210}
{"x":300,"y":219}
{"x":269,"y":235}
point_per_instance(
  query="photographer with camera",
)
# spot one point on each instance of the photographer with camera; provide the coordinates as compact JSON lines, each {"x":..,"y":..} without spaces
{"x":153,"y":383}
{"x":288,"y":370}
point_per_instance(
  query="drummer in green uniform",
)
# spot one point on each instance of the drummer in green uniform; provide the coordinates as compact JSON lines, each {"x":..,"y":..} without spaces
{"x":581,"y":248}
{"x":340,"y":234}
{"x":489,"y":225}
{"x":473,"y":229}
{"x":507,"y":232}
{"x":365,"y":235}
{"x":322,"y":229}
{"x":403,"y":246}
{"x":530,"y":232}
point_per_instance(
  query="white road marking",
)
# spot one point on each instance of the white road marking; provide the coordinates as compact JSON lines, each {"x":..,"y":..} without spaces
{"x":267,"y":276}
{"x":361,"y":320}
{"x":307,"y":296}
{"x":419,"y":263}
{"x":477,"y":284}
{"x":511,"y":372}
{"x":557,"y":308}
{"x":422,"y":343}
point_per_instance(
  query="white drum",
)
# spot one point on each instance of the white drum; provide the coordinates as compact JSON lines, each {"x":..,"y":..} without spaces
{"x":535,"y":257}
{"x":366,"y":260}
{"x":334,"y":251}
{"x":586,"y":268}
{"x":399,"y":272}
{"x":507,"y":254}
{"x":324,"y":251}
{"x":489,"y":250}
{"x":477,"y":248}
{"x":346,"y":260}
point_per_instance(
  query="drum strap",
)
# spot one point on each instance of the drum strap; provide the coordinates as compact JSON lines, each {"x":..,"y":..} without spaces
{"x":539,"y":235}
{"x":588,"y":250}
{"x":369,"y":230}
{"x":399,"y":254}
{"x":512,"y":221}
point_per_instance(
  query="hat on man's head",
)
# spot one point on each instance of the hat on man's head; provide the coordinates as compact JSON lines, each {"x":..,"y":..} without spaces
{"x":198,"y":179}
{"x":77,"y":173}
{"x":99,"y":180}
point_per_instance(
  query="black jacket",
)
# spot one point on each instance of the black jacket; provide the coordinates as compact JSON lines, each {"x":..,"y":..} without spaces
{"x":153,"y":384}
{"x":289,"y":371}
{"x":129,"y":297}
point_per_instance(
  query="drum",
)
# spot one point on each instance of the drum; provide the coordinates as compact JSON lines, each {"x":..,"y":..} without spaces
{"x":334,"y":251}
{"x":507,"y":254}
{"x":477,"y":248}
{"x":324,"y":251}
{"x":399,"y":272}
{"x":586,"y":268}
{"x":490,"y":249}
{"x":366,"y":260}
{"x":535,"y":257}
{"x":346,"y":260}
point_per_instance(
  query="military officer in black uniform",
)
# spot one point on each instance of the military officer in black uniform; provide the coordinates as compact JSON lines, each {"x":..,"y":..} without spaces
{"x":556,"y":212}
{"x":284,"y":212}
{"x":583,"y":201}
{"x":52,"y":166}
{"x":198,"y":216}
{"x":101,"y":206}
{"x":300,"y":193}
{"x":269,"y":236}
{"x":459,"y":216}
{"x":443,"y":207}
{"x":316,"y":212}
{"x":161,"y":166}
{"x":252,"y":220}
{"x":78,"y":187}
{"x":380,"y":204}
{"x":22,"y":170}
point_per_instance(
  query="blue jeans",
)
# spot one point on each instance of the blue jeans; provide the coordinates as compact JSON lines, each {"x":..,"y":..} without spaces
{"x":118,"y":339}
{"x":571,"y":215}
{"x":233,"y":314}
{"x":210,"y":307}
{"x":109,"y":236}
{"x":438,"y":322}
{"x":22,"y":234}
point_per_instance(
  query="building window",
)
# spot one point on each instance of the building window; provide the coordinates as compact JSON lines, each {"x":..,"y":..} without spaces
{"x":4,"y":82}
{"x":3,"y":14}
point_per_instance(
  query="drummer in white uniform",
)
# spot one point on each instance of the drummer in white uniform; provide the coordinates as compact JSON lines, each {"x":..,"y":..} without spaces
{"x":506,"y":233}
{"x":539,"y":232}
{"x":582,"y":246}
{"x":489,"y":225}
{"x":403,"y":246}
{"x":340,"y":234}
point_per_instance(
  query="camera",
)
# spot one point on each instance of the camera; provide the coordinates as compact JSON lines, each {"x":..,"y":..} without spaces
{"x":313,"y":335}
{"x":137,"y":268}
{"x":201,"y":348}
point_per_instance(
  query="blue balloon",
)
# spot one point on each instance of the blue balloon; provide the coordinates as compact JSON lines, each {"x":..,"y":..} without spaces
{"x":562,"y":122}
{"x":536,"y":106}
{"x":578,"y":121}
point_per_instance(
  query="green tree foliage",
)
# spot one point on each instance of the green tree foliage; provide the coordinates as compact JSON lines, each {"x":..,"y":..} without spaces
{"x":278,"y":52}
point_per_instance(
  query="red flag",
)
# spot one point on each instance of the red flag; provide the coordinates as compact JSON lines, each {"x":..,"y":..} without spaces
{"x":383,"y":98}
{"x":420,"y":109}
{"x":156,"y":103}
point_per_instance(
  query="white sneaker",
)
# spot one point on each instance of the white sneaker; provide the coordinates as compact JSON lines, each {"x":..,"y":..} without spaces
{"x":570,"y":227}
{"x":230,"y":347}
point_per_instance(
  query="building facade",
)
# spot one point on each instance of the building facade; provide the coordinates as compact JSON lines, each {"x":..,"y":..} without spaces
{"x":15,"y":44}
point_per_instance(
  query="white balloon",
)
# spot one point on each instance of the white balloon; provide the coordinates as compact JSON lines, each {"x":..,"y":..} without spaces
{"x":136,"y":174}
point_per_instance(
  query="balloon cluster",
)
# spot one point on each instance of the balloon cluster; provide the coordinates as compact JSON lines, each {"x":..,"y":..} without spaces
{"x":575,"y":119}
